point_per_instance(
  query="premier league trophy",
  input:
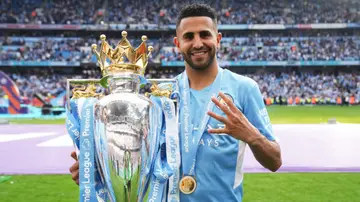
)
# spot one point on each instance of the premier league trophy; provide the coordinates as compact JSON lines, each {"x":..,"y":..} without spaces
{"x":129,"y":128}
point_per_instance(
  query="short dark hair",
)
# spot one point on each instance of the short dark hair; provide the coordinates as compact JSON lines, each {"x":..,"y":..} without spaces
{"x":197,"y":10}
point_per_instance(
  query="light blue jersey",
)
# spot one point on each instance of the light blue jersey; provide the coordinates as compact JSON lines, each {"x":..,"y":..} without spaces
{"x":219,"y":160}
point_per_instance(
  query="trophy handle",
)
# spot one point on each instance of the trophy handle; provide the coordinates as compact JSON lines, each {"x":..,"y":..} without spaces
{"x":76,"y":81}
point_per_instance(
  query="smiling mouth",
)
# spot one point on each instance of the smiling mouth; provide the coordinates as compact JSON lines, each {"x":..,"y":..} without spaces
{"x":198,"y":53}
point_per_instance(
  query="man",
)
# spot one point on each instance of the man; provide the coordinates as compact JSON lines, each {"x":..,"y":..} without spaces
{"x":239,"y":116}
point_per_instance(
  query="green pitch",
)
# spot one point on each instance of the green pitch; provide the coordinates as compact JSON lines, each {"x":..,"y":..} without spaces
{"x":313,"y":114}
{"x":285,"y":187}
{"x":278,"y":115}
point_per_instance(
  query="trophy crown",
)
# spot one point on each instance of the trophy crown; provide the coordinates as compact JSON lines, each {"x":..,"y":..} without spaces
{"x":124,"y":57}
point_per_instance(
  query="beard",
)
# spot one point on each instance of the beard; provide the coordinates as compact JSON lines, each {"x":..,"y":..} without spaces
{"x":200,"y":65}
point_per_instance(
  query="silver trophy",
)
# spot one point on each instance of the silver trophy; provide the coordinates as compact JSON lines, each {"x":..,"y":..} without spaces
{"x":122,"y":121}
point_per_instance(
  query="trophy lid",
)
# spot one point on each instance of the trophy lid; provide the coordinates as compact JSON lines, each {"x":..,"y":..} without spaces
{"x":123,"y":58}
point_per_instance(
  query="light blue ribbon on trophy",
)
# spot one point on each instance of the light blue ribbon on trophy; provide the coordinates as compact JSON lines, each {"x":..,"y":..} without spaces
{"x":172,"y":148}
{"x":74,"y":107}
{"x":190,"y":140}
{"x":101,"y":191}
{"x":161,"y":173}
{"x":75,"y":130}
{"x":161,"y":169}
{"x":72,"y":124}
{"x":155,"y":120}
{"x":87,"y":152}
{"x":73,"y":120}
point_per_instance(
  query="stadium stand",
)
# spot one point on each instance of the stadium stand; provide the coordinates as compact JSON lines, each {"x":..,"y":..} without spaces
{"x":336,"y":48}
{"x":281,"y":49}
{"x":300,"y":52}
{"x":164,"y":12}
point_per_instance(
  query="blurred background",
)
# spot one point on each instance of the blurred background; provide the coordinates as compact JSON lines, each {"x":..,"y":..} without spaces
{"x":305,"y":56}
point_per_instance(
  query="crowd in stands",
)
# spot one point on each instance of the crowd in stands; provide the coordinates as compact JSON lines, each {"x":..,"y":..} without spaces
{"x":59,"y":49}
{"x":50,"y":12}
{"x":276,"y":88}
{"x":333,"y":48}
{"x":309,"y":88}
{"x":42,"y":49}
{"x":288,"y":88}
{"x":165,"y":12}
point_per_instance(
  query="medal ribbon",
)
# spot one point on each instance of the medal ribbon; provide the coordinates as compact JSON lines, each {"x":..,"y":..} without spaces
{"x":191,"y":142}
{"x":172,"y":148}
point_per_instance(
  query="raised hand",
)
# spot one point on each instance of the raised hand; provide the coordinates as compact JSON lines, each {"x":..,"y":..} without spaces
{"x":236,"y":124}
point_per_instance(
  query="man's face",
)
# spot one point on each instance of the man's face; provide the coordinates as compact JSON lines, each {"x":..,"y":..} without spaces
{"x":197,"y":40}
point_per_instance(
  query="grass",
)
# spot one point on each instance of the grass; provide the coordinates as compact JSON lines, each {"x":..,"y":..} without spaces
{"x":37,"y":121}
{"x":302,"y":187}
{"x":39,"y":188}
{"x":277,"y":187}
{"x":278,"y":115}
{"x":313,"y":114}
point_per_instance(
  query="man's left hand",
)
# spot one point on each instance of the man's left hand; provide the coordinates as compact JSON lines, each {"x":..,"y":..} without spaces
{"x":236,"y":124}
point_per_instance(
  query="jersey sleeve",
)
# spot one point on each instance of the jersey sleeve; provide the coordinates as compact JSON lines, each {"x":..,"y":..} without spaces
{"x":256,"y":112}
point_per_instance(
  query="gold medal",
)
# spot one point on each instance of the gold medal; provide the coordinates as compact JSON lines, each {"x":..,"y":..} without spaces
{"x":187,"y":185}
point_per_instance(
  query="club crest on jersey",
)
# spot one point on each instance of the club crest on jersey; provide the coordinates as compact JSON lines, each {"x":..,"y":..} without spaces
{"x":222,"y":100}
